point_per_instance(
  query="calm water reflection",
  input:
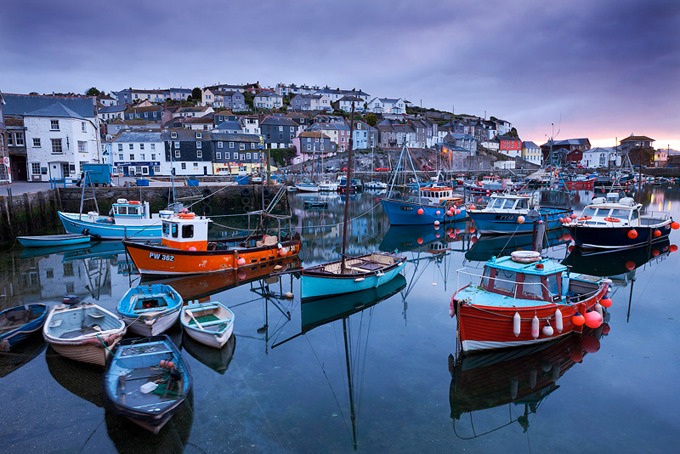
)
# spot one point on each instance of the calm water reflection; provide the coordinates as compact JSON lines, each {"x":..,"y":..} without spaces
{"x":380,"y":374}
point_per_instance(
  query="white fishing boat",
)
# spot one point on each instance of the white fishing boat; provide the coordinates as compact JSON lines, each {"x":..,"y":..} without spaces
{"x":210,"y":323}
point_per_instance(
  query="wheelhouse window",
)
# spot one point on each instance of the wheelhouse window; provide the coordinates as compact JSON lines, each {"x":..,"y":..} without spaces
{"x":188,"y":231}
{"x":532,"y":288}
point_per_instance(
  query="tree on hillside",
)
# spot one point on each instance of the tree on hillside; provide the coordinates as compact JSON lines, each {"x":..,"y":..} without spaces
{"x":513,"y":133}
{"x":371,"y":119}
{"x":92,"y":91}
{"x":196,"y":94}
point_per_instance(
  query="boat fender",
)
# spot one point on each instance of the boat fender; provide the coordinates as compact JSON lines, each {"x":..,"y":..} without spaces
{"x":516,"y":324}
{"x":559,"y":323}
{"x":534,"y":327}
{"x":525,"y":256}
{"x":245,"y":192}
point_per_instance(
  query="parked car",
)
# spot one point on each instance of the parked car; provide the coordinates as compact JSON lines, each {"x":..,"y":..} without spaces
{"x":331,"y":169}
{"x":382,"y":169}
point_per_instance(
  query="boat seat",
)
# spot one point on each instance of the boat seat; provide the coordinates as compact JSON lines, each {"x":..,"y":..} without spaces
{"x":216,"y":322}
{"x":202,"y":307}
{"x":151,"y":309}
{"x":96,"y":315}
{"x":55,"y":323}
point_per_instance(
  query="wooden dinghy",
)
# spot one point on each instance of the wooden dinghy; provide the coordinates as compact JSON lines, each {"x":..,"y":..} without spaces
{"x":149,"y":310}
{"x":210,"y":323}
{"x":19,"y":322}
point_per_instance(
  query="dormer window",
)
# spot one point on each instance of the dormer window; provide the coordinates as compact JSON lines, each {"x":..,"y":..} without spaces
{"x":173,"y":135}
{"x":199,"y":135}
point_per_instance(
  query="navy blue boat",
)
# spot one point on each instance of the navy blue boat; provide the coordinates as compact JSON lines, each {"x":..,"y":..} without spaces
{"x":19,"y":322}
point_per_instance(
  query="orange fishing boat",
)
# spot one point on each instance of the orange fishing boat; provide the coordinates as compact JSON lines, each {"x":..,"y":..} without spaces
{"x":185,"y":248}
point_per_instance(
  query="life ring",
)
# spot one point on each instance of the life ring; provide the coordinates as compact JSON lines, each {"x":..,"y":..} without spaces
{"x":611,"y":219}
{"x":186,"y":215}
{"x":135,"y":202}
{"x":584,"y":218}
{"x":525,"y":256}
{"x":245,"y":192}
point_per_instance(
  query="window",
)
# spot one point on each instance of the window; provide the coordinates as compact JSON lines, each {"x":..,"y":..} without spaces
{"x":156,"y":169}
{"x":141,"y":146}
{"x":281,"y":128}
{"x":54,"y":125}
{"x":184,"y":166}
{"x":153,"y":146}
{"x":218,"y":155}
{"x":56,"y":146}
{"x":188,"y":231}
{"x":220,"y":144}
{"x":10,"y":140}
{"x":131,"y":146}
{"x":227,"y":156}
{"x":173,"y":135}
{"x":248,"y":156}
{"x":49,"y":273}
{"x":199,"y":144}
{"x":242,"y":146}
{"x":231,"y":144}
{"x":199,"y":135}
{"x":142,"y":157}
{"x":177,"y":154}
{"x":35,"y":168}
{"x":82,"y":146}
{"x":36,"y":143}
{"x":68,"y":269}
{"x":83,"y":126}
{"x":309,"y":146}
{"x":176,"y":145}
{"x":252,"y":146}
{"x":199,"y":154}
{"x":19,"y":139}
{"x":132,"y":156}
{"x":153,"y":156}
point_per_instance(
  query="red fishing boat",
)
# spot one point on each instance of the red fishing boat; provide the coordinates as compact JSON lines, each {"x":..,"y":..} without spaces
{"x":581,"y":183}
{"x":185,"y":248}
{"x":524,"y":299}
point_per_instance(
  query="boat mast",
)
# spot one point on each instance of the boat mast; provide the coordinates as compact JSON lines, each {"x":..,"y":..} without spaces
{"x":348,"y":183}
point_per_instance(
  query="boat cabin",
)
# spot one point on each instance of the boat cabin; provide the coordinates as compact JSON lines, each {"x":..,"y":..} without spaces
{"x":439,"y":195}
{"x":124,"y":208}
{"x":602,"y":211}
{"x":524,"y":275}
{"x":508,"y":203}
{"x":184,"y":230}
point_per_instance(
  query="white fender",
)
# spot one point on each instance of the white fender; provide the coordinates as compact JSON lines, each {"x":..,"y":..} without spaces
{"x":516,"y":323}
{"x":534,"y":327}
{"x":559,"y":323}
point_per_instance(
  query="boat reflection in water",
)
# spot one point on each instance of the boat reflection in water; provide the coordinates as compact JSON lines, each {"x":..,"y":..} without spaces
{"x":81,"y":379}
{"x":217,"y":359}
{"x":321,"y":311}
{"x":21,"y":354}
{"x":404,"y":238}
{"x":620,"y":265}
{"x":487,"y":246}
{"x":501,"y":388}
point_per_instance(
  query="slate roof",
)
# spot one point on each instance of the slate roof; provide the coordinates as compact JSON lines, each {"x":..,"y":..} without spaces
{"x":276,"y":120}
{"x":138,"y":136}
{"x":230,"y":125}
{"x":46,"y":105}
{"x":112,"y":109}
{"x":184,"y":134}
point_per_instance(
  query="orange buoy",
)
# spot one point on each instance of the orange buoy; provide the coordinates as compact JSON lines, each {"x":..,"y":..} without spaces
{"x":574,"y":215}
{"x":520,"y":219}
{"x":632,"y":234}
{"x":630,"y":265}
{"x":657,"y":233}
{"x":578,"y":319}
{"x":420,"y":211}
{"x":673,"y":248}
{"x":606,"y":302}
{"x":419,"y":241}
{"x":473,"y":240}
{"x":675,"y":225}
{"x":655,"y":252}
{"x":593,"y":319}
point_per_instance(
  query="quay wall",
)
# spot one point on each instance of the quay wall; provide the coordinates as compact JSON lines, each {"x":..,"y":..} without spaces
{"x":35,"y":213}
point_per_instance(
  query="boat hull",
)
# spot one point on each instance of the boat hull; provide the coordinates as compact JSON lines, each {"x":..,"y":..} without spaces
{"x":53,"y":240}
{"x":150,"y":310}
{"x":20,"y":322}
{"x":153,"y":259}
{"x":577,"y":185}
{"x":612,"y":237}
{"x":319,"y":285}
{"x":401,"y":212}
{"x":85,"y":333}
{"x":75,"y":223}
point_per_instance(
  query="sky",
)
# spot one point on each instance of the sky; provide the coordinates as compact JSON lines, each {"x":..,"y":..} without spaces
{"x":599,"y":69}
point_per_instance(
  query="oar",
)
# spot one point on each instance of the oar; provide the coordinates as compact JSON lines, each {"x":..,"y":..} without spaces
{"x":191,"y":314}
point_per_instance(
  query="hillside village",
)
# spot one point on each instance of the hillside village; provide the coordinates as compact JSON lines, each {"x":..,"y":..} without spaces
{"x":226,"y":130}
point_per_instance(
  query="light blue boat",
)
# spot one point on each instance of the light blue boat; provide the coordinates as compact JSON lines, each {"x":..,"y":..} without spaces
{"x":359,"y":273}
{"x":65,"y":239}
{"x":129,"y":219}
{"x":502,"y":214}
{"x":150,"y":310}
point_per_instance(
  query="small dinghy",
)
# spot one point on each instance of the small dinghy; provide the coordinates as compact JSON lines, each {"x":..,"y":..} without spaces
{"x":147,"y":380}
{"x":210,"y":323}
{"x":149,"y":310}
{"x":19,"y":322}
{"x":84,"y":332}
{"x":53,"y":240}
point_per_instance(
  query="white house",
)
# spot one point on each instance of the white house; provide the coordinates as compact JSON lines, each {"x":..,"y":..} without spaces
{"x":599,"y":157}
{"x":268,"y":100}
{"x":387,"y":106}
{"x":135,"y":153}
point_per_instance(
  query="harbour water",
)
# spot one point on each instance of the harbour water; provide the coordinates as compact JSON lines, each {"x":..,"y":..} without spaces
{"x":374,"y":373}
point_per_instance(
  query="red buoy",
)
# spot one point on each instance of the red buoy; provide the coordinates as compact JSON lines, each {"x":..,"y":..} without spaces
{"x":657,"y":233}
{"x":420,"y":211}
{"x":593,"y":319}
{"x":606,"y":302}
{"x":632,"y":234}
{"x":675,"y":225}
